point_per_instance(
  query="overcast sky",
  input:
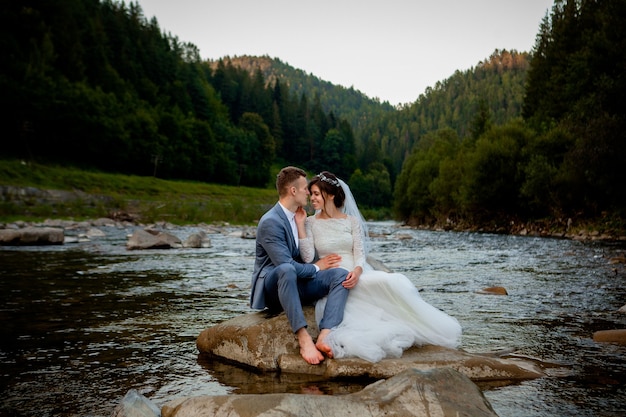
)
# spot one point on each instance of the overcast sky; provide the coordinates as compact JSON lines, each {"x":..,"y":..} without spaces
{"x":389,"y":49}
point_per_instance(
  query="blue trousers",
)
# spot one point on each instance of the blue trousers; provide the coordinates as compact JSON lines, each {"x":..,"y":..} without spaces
{"x":283,"y":289}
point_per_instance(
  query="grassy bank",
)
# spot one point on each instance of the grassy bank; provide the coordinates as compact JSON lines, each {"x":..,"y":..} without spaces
{"x":83,"y":195}
{"x":87,"y":194}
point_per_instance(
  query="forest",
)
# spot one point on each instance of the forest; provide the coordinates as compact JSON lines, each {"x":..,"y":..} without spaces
{"x":564,"y":156}
{"x":523,"y":135}
{"x":95,"y":84}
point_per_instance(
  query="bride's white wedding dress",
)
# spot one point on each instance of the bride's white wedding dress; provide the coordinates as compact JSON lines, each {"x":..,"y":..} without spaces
{"x":384,"y":313}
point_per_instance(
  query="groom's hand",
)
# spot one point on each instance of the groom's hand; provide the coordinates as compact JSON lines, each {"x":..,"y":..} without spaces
{"x":353,"y":278}
{"x":329,"y":261}
{"x":300,"y":215}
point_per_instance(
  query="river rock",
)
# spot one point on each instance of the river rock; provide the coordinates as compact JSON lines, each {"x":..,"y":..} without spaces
{"x":94,"y":232}
{"x":494,"y":290}
{"x":103,"y":222}
{"x":152,"y":239}
{"x":403,"y":236}
{"x":439,"y":392}
{"x":136,"y":405}
{"x":249,"y":233}
{"x":266,"y":342}
{"x":32,"y":236}
{"x":611,"y":336}
{"x":197,"y":240}
{"x":64,"y":224}
{"x":617,"y":260}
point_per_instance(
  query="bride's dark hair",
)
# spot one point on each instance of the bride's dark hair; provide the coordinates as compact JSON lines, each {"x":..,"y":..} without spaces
{"x":329,"y":185}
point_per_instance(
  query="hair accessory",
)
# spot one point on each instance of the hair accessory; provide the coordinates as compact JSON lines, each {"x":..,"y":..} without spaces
{"x":331,"y":181}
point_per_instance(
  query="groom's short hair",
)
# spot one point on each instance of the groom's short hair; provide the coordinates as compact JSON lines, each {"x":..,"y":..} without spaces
{"x":286,"y":177}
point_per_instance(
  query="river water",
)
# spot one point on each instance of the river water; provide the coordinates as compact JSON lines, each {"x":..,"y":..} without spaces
{"x":83,"y":323}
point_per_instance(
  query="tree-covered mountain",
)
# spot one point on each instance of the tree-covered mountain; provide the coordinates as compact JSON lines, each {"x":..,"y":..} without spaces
{"x":347,"y":103}
{"x":490,"y":93}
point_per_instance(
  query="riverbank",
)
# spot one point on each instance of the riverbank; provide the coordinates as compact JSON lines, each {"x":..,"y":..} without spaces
{"x":31,"y":205}
{"x":580,"y":229}
{"x":34,"y":193}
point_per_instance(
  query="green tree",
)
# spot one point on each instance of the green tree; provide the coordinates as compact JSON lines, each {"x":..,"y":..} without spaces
{"x":545,"y":188}
{"x":261,"y":151}
{"x":415,"y":196}
{"x":330,"y":151}
{"x":576,"y":84}
{"x":372,"y":189}
{"x":492,"y":177}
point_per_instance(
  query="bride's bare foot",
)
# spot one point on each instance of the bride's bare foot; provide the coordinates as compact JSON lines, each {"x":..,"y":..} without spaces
{"x":308,"y":351}
{"x":321,"y":343}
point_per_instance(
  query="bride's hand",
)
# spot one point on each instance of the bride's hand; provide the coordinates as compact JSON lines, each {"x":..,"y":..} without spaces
{"x":329,"y":261}
{"x":353,"y":278}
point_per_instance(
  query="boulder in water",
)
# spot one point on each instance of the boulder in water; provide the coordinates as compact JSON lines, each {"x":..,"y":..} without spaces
{"x":439,"y":392}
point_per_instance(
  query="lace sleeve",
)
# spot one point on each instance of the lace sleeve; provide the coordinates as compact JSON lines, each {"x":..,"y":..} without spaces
{"x":357,"y":243}
{"x":306,"y":245}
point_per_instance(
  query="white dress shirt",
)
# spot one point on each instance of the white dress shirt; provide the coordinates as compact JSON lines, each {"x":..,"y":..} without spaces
{"x":291,"y":216}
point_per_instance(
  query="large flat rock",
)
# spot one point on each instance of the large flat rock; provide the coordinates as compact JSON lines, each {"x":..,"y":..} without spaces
{"x":265,"y":342}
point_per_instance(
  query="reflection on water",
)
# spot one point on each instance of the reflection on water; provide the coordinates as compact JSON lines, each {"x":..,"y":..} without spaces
{"x":247,"y":381}
{"x":83,"y":323}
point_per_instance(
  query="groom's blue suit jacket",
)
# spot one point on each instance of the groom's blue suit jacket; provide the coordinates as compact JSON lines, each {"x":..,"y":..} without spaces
{"x":275,"y":245}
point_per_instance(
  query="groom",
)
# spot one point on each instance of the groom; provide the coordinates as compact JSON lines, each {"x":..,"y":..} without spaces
{"x":281,"y":281}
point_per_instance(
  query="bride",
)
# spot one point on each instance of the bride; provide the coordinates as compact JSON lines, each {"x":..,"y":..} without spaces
{"x":384,"y":313}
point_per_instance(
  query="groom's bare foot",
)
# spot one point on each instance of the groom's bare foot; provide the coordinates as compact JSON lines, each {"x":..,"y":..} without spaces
{"x":321,"y":343}
{"x":308,"y":351}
